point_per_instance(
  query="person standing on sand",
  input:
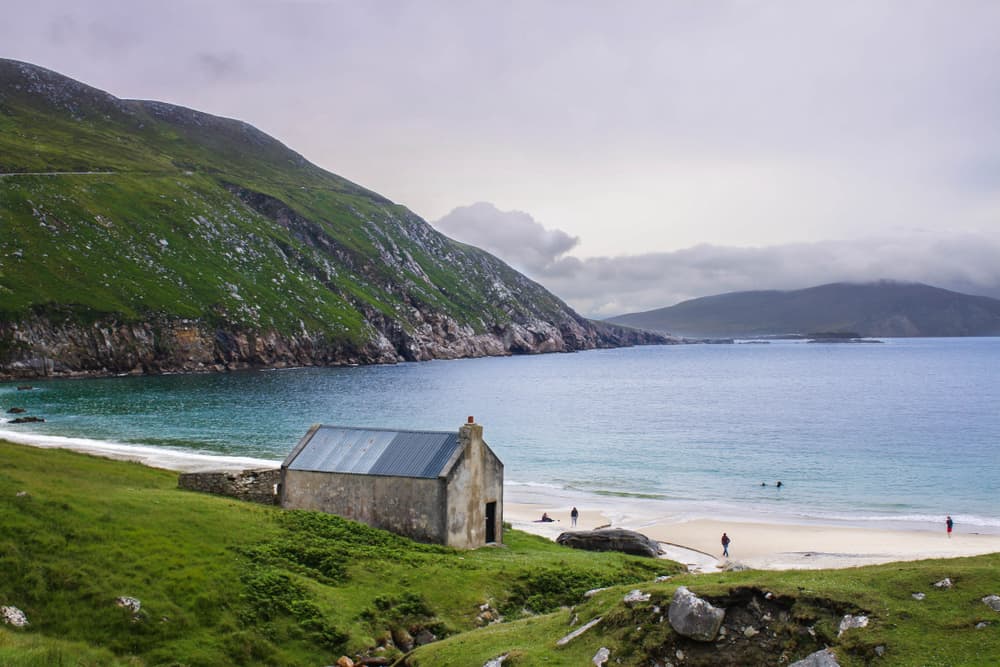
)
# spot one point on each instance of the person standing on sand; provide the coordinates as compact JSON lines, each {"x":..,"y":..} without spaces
{"x":725,"y":545}
{"x":949,"y":524}
{"x":574,"y":515}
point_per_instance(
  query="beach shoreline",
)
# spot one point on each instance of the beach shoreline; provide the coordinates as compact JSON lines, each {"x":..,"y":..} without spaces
{"x":690,"y":537}
{"x":757,"y":544}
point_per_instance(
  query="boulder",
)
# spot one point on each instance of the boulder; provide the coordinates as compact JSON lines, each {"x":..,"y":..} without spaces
{"x":919,"y":596}
{"x":345,"y":661}
{"x":635,"y":596}
{"x":13,"y":616}
{"x":693,"y":617}
{"x":944,"y":583}
{"x":26,"y":420}
{"x":849,"y":622}
{"x":824,"y":658}
{"x":130,"y":603}
{"x":402,"y":639}
{"x":425,"y":636}
{"x":496,"y":662}
{"x":611,"y":539}
{"x":601,"y":657}
{"x":992,"y":601}
{"x":16,"y":411}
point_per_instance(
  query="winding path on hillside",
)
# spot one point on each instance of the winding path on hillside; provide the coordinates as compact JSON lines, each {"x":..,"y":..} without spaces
{"x":57,"y":173}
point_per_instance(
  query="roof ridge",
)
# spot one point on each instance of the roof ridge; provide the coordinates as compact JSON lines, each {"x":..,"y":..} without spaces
{"x":389,"y":430}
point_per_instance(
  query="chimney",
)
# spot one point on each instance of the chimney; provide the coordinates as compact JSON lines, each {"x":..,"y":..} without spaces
{"x":470,"y":431}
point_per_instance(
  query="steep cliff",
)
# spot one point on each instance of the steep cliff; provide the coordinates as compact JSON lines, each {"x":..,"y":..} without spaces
{"x":142,"y":237}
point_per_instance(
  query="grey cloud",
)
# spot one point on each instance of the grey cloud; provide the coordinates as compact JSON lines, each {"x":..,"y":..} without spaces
{"x":607,"y":286}
{"x":221,"y":66}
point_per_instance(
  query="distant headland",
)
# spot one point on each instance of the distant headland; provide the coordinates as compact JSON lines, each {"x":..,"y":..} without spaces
{"x":836,"y":312}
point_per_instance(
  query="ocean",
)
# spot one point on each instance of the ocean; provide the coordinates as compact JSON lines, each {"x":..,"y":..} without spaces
{"x":897,"y":434}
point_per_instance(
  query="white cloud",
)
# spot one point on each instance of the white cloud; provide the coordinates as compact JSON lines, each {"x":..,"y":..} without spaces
{"x":513,"y":236}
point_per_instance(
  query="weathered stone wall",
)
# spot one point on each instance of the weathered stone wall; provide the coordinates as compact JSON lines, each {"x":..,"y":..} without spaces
{"x":258,"y":486}
{"x":475,"y":479}
{"x":410,"y":506}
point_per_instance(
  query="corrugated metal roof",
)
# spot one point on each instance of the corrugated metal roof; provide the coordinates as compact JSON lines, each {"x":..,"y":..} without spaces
{"x":376,"y":452}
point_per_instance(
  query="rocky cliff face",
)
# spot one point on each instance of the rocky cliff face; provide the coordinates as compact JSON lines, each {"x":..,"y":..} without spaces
{"x":142,"y":237}
{"x":38,"y":347}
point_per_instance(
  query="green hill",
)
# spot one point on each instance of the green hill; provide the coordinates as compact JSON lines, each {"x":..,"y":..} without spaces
{"x":880,"y":309}
{"x":143,"y":237}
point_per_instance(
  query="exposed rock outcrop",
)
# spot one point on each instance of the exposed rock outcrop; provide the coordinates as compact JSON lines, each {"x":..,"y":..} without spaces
{"x":850,"y":622}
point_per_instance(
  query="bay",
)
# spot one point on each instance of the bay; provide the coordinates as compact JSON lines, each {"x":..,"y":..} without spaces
{"x":902,"y":432}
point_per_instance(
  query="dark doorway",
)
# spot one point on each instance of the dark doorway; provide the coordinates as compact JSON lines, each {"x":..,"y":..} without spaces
{"x":491,"y":522}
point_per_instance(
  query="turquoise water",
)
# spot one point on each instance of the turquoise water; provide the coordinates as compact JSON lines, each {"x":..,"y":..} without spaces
{"x":905,"y":431}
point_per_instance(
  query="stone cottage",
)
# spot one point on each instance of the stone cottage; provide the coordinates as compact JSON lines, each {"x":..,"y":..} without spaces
{"x":442,"y":487}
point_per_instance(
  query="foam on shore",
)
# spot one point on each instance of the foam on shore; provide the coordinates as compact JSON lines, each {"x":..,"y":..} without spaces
{"x":155,"y":457}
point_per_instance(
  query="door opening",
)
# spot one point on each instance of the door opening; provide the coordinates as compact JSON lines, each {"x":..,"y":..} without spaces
{"x":491,"y":522}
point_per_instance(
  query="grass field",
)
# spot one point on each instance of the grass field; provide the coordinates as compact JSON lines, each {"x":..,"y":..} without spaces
{"x":224,"y":582}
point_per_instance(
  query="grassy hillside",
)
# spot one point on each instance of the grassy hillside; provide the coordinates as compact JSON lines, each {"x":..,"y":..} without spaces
{"x":229,"y":583}
{"x":117,"y":212}
{"x":882,"y":309}
{"x":802,"y":615}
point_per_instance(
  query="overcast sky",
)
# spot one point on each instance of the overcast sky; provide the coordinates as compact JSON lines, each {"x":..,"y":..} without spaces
{"x":633,"y":153}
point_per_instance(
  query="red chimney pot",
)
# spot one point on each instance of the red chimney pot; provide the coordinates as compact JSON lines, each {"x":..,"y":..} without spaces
{"x":472,"y":420}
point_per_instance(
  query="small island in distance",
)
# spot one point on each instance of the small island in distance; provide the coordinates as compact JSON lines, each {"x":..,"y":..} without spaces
{"x":836,"y":312}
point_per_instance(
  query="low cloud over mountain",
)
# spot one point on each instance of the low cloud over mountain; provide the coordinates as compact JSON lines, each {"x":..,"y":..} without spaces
{"x":606,"y":286}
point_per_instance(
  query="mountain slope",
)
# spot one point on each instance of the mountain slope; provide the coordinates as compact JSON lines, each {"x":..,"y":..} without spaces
{"x":882,"y":309}
{"x":144,"y":237}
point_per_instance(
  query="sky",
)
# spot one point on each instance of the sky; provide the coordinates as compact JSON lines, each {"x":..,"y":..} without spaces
{"x":626,"y":155}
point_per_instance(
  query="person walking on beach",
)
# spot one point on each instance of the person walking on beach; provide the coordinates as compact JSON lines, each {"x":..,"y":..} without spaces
{"x":574,"y":515}
{"x":949,"y":524}
{"x":725,"y":545}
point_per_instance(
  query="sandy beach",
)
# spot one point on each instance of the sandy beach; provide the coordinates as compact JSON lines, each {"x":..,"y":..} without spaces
{"x":689,"y":539}
{"x":758,"y":544}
